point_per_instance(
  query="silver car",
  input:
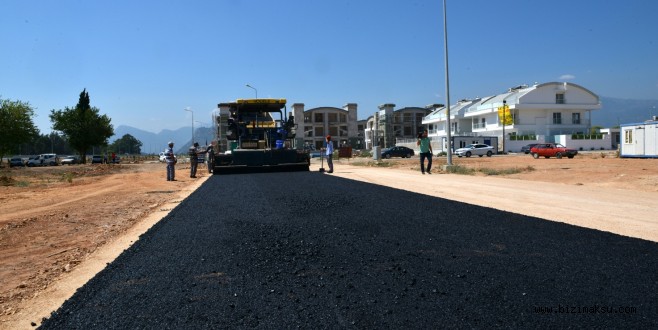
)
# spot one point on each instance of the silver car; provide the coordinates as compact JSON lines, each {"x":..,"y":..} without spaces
{"x":475,"y":149}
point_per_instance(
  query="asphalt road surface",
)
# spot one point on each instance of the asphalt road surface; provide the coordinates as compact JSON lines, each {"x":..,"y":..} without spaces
{"x":250,"y":251}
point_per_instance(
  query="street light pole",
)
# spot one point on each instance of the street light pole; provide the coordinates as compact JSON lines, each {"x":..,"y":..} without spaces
{"x":190,"y":110}
{"x":448,"y":128}
{"x":255,"y":90}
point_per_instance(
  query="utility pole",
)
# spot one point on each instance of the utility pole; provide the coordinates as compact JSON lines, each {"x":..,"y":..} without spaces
{"x":448,"y":128}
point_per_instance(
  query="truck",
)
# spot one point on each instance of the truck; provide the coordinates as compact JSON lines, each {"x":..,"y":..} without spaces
{"x":256,"y":135}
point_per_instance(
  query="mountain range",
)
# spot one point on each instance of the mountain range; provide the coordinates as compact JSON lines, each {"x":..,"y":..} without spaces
{"x":613,"y":112}
{"x":154,"y":143}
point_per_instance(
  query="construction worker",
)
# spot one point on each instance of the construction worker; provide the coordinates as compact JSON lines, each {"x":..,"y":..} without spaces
{"x":194,"y":159}
{"x":329,"y":151}
{"x":210,"y":157}
{"x":170,"y":158}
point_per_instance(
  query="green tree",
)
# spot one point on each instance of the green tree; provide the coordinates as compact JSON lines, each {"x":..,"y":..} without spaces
{"x":16,"y":126}
{"x":126,"y":144}
{"x":82,"y":126}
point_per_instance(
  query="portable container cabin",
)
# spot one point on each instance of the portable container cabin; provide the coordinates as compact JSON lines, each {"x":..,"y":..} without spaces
{"x":639,"y":140}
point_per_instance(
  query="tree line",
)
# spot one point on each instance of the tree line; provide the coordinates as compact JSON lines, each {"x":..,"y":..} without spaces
{"x":80,"y":130}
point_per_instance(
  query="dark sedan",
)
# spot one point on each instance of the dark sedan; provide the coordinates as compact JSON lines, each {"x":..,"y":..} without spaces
{"x":526,"y":148}
{"x":397,"y":151}
{"x":16,"y":161}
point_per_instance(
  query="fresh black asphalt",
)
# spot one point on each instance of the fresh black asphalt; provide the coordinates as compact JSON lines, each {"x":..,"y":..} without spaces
{"x":309,"y":250}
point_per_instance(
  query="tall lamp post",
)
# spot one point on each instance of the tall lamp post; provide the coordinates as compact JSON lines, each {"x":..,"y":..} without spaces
{"x":190,"y":110}
{"x":448,"y":128}
{"x":255,"y":90}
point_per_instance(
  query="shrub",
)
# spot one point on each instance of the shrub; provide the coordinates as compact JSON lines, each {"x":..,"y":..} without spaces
{"x":506,"y":171}
{"x":365,"y":153}
{"x":457,"y":169}
{"x":68,"y":177}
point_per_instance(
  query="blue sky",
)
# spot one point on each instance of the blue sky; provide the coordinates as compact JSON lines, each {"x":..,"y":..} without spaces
{"x":144,"y":62}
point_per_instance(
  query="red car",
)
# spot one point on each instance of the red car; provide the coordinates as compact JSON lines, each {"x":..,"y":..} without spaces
{"x":548,"y":150}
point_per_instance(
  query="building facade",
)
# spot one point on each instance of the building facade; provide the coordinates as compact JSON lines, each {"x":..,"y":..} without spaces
{"x":319,"y":122}
{"x":542,"y":112}
{"x":556,"y":112}
{"x":388,"y":126}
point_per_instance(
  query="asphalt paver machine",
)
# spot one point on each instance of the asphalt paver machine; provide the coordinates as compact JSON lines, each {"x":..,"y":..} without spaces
{"x":259,"y":137}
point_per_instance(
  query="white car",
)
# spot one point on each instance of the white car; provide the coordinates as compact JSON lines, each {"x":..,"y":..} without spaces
{"x":475,"y":149}
{"x":43,"y":160}
{"x":163,"y":158}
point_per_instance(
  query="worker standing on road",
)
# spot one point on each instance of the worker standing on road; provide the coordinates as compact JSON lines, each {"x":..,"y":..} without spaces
{"x":170,"y":158}
{"x":211,"y":157}
{"x":194,"y":159}
{"x":425,"y":152}
{"x":329,"y":151}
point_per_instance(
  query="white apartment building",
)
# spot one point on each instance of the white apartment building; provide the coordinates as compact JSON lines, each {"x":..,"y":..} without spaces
{"x":548,"y":112}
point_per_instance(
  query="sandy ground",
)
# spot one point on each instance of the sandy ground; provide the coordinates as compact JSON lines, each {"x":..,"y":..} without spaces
{"x":61,"y":225}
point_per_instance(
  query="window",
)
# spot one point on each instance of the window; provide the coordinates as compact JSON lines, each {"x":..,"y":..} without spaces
{"x":557,"y":118}
{"x":628,"y":136}
{"x":333,"y":117}
{"x":575,"y":118}
{"x":308,"y":131}
{"x":343,"y":118}
{"x":319,"y":118}
{"x":484,"y":122}
{"x":559,"y":98}
{"x":319,"y":131}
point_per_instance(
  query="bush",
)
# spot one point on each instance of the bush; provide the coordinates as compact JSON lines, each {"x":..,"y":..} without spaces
{"x":365,"y":153}
{"x":456,"y":169}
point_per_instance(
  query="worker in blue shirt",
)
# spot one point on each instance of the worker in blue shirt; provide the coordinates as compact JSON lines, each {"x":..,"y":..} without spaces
{"x":329,"y":151}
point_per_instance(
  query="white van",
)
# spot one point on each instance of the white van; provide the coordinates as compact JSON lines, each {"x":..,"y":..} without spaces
{"x":44,"y":160}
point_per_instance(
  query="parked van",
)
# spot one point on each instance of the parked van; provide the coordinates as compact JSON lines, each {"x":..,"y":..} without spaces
{"x":44,"y":160}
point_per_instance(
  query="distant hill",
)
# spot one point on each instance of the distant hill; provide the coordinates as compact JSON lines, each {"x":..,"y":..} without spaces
{"x":616,"y":111}
{"x":153,"y":143}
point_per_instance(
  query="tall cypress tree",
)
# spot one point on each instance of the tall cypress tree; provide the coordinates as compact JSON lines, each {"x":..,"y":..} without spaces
{"x":82,"y":126}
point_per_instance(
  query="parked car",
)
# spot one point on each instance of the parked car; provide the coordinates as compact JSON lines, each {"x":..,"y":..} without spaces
{"x":397,"y":151}
{"x":548,"y":150}
{"x":475,"y":149}
{"x":16,"y":161}
{"x":43,"y":160}
{"x":70,"y":160}
{"x":526,"y":148}
{"x":97,"y":159}
{"x":163,"y":157}
{"x":312,"y":152}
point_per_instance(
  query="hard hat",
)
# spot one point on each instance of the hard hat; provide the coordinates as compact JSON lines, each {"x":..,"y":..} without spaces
{"x":170,"y":143}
